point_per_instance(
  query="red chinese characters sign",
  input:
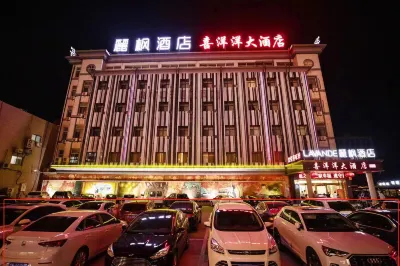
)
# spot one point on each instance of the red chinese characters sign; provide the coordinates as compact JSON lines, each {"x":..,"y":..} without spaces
{"x":345,"y":166}
{"x":239,"y":41}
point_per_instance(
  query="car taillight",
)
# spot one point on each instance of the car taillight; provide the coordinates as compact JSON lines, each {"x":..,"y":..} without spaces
{"x":273,"y":210}
{"x":52,"y":244}
{"x":393,"y":254}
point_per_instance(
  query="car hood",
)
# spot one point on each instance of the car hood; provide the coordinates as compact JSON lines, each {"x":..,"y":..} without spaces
{"x":140,"y":244}
{"x":352,"y":242}
{"x":242,"y":240}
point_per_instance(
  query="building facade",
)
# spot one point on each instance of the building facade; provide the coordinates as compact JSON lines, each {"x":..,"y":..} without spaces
{"x":26,"y":147}
{"x":200,"y":117}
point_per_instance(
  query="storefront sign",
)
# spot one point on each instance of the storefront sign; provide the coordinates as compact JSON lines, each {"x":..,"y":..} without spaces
{"x":239,"y":41}
{"x":340,"y":153}
{"x":163,"y":44}
{"x":294,"y":158}
{"x":324,"y":175}
{"x":353,"y":166}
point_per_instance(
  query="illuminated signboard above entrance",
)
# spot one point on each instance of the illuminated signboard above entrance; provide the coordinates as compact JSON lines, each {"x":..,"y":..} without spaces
{"x":334,"y":165}
{"x":359,"y":154}
{"x":240,"y":41}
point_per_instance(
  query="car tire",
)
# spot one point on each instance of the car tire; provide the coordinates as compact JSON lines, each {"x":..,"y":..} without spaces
{"x":312,"y":258}
{"x":278,"y":239}
{"x":81,"y":258}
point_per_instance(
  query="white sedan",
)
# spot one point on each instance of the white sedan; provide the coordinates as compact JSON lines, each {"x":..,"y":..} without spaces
{"x":63,"y":238}
{"x":324,"y":237}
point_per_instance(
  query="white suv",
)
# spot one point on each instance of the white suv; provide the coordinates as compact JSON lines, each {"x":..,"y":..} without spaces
{"x":343,"y":207}
{"x":238,"y":236}
{"x":324,"y":237}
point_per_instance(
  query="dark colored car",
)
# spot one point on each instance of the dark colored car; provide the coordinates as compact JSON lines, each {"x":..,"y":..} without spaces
{"x":86,"y":197}
{"x":380,"y":223}
{"x":173,"y":197}
{"x":269,"y":209}
{"x":280,"y":197}
{"x":155,"y":237}
{"x":251,"y":200}
{"x":62,"y":195}
{"x":192,"y":211}
{"x":130,"y":210}
{"x":385,"y":205}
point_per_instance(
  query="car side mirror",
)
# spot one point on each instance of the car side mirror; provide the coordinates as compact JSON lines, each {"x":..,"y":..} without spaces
{"x":24,"y":222}
{"x":268,"y":224}
{"x":298,"y":226}
{"x":207,"y":224}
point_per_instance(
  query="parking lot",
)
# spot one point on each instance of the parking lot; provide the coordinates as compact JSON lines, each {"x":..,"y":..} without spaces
{"x":196,"y":254}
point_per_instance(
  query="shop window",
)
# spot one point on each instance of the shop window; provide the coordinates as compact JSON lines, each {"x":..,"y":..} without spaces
{"x":182,"y":157}
{"x":91,"y":157}
{"x":162,"y":131}
{"x":99,"y":107}
{"x":255,"y":131}
{"x":274,"y":105}
{"x":184,"y":107}
{"x":298,"y":105}
{"x":302,"y":130}
{"x":313,"y":83}
{"x":183,"y":131}
{"x":231,"y":158}
{"x":114,"y":157}
{"x":271,"y":83}
{"x":294,"y":82}
{"x":230,"y":131}
{"x":228,"y":83}
{"x":87,"y":86}
{"x":208,"y":107}
{"x":163,"y":107}
{"x":142,"y":84}
{"x":135,"y":158}
{"x":229,"y":106}
{"x":207,"y":83}
{"x":208,"y":158}
{"x":73,"y":91}
{"x":16,"y":160}
{"x":321,"y":131}
{"x":103,"y":85}
{"x":69,"y":111}
{"x":161,"y":157}
{"x":208,"y":131}
{"x":184,"y":83}
{"x":138,"y":131}
{"x":120,"y":108}
{"x":139,"y":108}
{"x":95,"y":132}
{"x":77,"y":72}
{"x":36,"y":138}
{"x":316,"y":106}
{"x":277,"y":131}
{"x":164,"y":83}
{"x":118,"y":131}
{"x":257,"y":158}
{"x":253,"y":106}
{"x":251,"y":83}
{"x":123,"y":85}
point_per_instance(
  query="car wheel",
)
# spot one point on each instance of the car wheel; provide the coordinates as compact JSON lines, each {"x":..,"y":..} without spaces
{"x":278,"y":239}
{"x":80,"y":258}
{"x":312,"y":258}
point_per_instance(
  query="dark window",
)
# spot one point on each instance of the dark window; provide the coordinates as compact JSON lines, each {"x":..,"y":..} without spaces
{"x":207,"y":83}
{"x":82,"y":109}
{"x":71,"y":203}
{"x":98,"y":107}
{"x":313,"y":83}
{"x":164,"y":83}
{"x":142,"y":96}
{"x":142,"y":84}
{"x":253,"y":106}
{"x":65,"y":133}
{"x":73,"y":91}
{"x":103,"y":85}
{"x":10,"y":215}
{"x":229,"y":106}
{"x":294,"y":217}
{"x":135,"y":157}
{"x":113,"y":157}
{"x":285,"y":215}
{"x":228,"y":83}
{"x":184,"y":83}
{"x":208,"y":131}
{"x":131,"y":207}
{"x":183,"y":131}
{"x":316,"y":105}
{"x":95,"y":132}
{"x":90,"y":157}
{"x":87,"y":86}
{"x":140,"y":107}
{"x":58,"y":224}
{"x":108,"y":205}
{"x":271,"y":83}
{"x":294,"y":82}
{"x":162,"y":131}
{"x":237,"y":220}
{"x":93,"y":205}
{"x":161,"y":157}
{"x":108,"y":219}
{"x":341,"y":206}
{"x":231,"y":157}
{"x":208,"y":158}
{"x":208,"y":107}
{"x":163,"y":107}
{"x":138,"y":131}
{"x":302,"y":130}
{"x":274,"y":105}
{"x":77,"y":133}
{"x":161,"y":224}
{"x":184,"y":107}
{"x":255,"y":131}
{"x":118,"y":132}
{"x":60,"y":153}
{"x":69,"y":111}
{"x":230,"y":131}
{"x":277,"y":130}
{"x":91,"y":222}
{"x":257,"y":157}
{"x":185,"y":207}
{"x":41,"y":211}
{"x":123,"y":85}
{"x":120,"y":107}
{"x":373,"y":220}
{"x":321,"y":131}
{"x":77,"y":72}
{"x":327,"y":222}
{"x":298,"y":105}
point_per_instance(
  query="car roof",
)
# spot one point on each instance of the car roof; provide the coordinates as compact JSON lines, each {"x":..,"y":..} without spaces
{"x":136,"y":202}
{"x":172,"y":211}
{"x":76,"y":213}
{"x":99,"y":201}
{"x":234,"y":206}
{"x":27,"y":206}
{"x":306,"y":209}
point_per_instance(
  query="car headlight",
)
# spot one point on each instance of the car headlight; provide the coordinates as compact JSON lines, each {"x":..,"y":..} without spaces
{"x":110,"y":251}
{"x":161,"y":253}
{"x":216,"y":247}
{"x":272,"y":247}
{"x":334,"y":252}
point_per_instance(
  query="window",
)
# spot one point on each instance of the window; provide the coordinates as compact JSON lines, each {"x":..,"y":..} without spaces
{"x":231,"y":157}
{"x":139,"y":108}
{"x":208,"y":158}
{"x":184,"y":83}
{"x":73,"y":91}
{"x":321,"y":131}
{"x":89,"y":223}
{"x":164,"y":83}
{"x":277,"y":130}
{"x":228,"y":83}
{"x":64,"y":134}
{"x":285,"y":215}
{"x":87,"y":86}
{"x":182,"y":157}
{"x":183,"y":131}
{"x":103,"y":85}
{"x":77,"y":133}
{"x":123,"y":85}
{"x":82,"y":109}
{"x":77,"y":71}
{"x":255,"y":131}
{"x":302,"y":130}
{"x":142,"y":84}
{"x":229,"y":106}
{"x":207,"y":83}
{"x":69,"y":111}
{"x":207,"y":92}
{"x":163,"y":107}
{"x":95,"y":132}
{"x":208,"y":107}
{"x":142,"y":95}
{"x":40,"y":212}
{"x":36,"y":138}
{"x":238,"y":220}
{"x":184,"y":107}
{"x":316,"y":105}
{"x":161,"y":157}
{"x":229,"y":131}
{"x":208,"y":131}
{"x":271,"y":83}
{"x":183,"y":94}
{"x":118,"y":132}
{"x":91,"y":157}
{"x":59,"y":224}
{"x":74,"y":156}
{"x":135,"y":157}
{"x":312,"y":83}
{"x":253,"y":106}
{"x":251,"y":83}
{"x":274,"y":105}
{"x":107,"y":219}
{"x":16,"y":160}
{"x":298,"y":105}
{"x":138,"y":131}
{"x":60,"y":153}
{"x":120,"y":108}
{"x":113,"y":157}
{"x":294,"y":217}
{"x":372,"y":220}
{"x":257,"y":157}
{"x":294,"y":82}
{"x":162,"y":131}
{"x":98,"y":107}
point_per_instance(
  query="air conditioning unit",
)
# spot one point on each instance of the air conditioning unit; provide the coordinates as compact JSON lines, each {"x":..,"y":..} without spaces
{"x":319,"y":112}
{"x":322,"y":138}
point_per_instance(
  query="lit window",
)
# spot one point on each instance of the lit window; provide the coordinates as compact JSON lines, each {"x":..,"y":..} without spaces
{"x":163,"y":107}
{"x":182,"y":157}
{"x":162,"y":131}
{"x":302,"y":130}
{"x":138,"y":131}
{"x":114,"y":157}
{"x":103,"y":85}
{"x":74,"y":156}
{"x":91,"y":157}
{"x":257,"y":157}
{"x":98,"y":107}
{"x":298,"y":105}
{"x":229,"y":106}
{"x":184,"y":107}
{"x":16,"y":160}
{"x":118,"y":132}
{"x":251,"y":83}
{"x":120,"y":107}
{"x":36,"y":138}
{"x":230,"y":131}
{"x":139,"y":108}
{"x":231,"y":157}
{"x":255,"y":131}
{"x":161,"y":157}
{"x":123,"y":85}
{"x":253,"y":106}
{"x":208,"y":107}
{"x":135,"y":157}
{"x":208,"y":158}
{"x":274,"y":105}
{"x":208,"y":131}
{"x":95,"y":132}
{"x":277,"y":130}
{"x":183,"y":131}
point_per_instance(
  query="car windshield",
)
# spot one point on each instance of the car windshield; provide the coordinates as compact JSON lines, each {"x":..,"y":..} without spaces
{"x":327,"y":222}
{"x":54,"y":201}
{"x":341,"y":206}
{"x":10,"y":215}
{"x":152,"y":222}
{"x":90,"y":206}
{"x":391,"y":205}
{"x":58,"y":224}
{"x":181,"y":196}
{"x":134,"y":207}
{"x":186,"y":207}
{"x":272,"y":205}
{"x":34,"y":194}
{"x":237,"y":220}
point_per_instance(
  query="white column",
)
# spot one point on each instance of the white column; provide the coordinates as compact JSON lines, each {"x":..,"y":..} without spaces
{"x":371,"y":185}
{"x":310,"y":192}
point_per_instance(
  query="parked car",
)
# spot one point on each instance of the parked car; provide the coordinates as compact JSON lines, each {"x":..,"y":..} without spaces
{"x":227,"y":198}
{"x":15,"y":217}
{"x":344,"y":207}
{"x":173,"y":197}
{"x":268,"y":209}
{"x":62,"y":195}
{"x":155,"y":237}
{"x":252,"y":200}
{"x":157,"y":195}
{"x":380,"y":223}
{"x":322,"y":236}
{"x":192,"y":211}
{"x":97,"y":205}
{"x":280,"y":197}
{"x":72,"y":239}
{"x":86,"y":197}
{"x":238,"y":234}
{"x":69,"y":204}
{"x":130,"y":210}
{"x":38,"y":194}
{"x":385,"y":205}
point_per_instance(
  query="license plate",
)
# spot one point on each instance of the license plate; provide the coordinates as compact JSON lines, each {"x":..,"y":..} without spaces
{"x":17,"y":264}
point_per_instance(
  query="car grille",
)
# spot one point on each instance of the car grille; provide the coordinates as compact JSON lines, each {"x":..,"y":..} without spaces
{"x":246,"y":252}
{"x":362,"y":260}
{"x":222,"y":263}
{"x":120,"y":261}
{"x":247,"y":263}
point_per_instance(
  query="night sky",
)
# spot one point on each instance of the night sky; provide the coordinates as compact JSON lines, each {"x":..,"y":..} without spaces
{"x":358,"y":63}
